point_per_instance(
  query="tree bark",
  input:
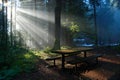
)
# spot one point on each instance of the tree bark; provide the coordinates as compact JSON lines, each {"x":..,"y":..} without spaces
{"x":95,"y":23}
{"x":57,"y":24}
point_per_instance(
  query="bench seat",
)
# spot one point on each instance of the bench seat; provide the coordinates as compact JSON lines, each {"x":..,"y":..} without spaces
{"x":93,"y":57}
{"x":53,"y":59}
{"x":87,"y":60}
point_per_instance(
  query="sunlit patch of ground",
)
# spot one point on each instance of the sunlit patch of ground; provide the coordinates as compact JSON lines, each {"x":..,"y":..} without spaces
{"x":98,"y":74}
{"x":112,"y":59}
{"x":109,"y":69}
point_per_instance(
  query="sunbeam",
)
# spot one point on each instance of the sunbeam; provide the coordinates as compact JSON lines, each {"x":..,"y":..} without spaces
{"x":29,"y":19}
{"x":38,"y":34}
{"x":39,"y":14}
{"x":35,"y":23}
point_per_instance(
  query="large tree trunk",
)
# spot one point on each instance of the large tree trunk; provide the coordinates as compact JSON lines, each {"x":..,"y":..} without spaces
{"x":57,"y":24}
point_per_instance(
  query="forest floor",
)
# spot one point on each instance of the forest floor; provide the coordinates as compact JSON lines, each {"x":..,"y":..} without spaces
{"x":108,"y":69}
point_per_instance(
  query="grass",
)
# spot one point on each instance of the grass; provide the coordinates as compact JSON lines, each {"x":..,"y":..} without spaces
{"x":18,"y":60}
{"x":15,"y":61}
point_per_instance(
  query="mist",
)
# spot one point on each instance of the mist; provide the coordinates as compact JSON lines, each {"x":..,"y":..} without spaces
{"x":108,"y":25}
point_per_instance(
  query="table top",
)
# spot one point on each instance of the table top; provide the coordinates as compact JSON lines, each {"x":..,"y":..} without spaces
{"x":69,"y":51}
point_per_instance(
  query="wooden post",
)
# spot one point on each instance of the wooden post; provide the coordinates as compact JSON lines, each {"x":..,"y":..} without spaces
{"x":63,"y":61}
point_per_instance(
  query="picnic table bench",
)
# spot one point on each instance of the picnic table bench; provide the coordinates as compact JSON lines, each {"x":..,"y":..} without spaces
{"x":74,"y":59}
{"x":77,"y":60}
{"x":53,"y":59}
{"x":71,"y":57}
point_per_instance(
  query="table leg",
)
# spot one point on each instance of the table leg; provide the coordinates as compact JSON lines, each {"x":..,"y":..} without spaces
{"x":63,"y":61}
{"x":85,"y":54}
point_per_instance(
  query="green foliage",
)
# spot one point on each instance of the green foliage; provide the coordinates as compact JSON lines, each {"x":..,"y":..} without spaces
{"x":65,"y":47}
{"x":74,"y":28}
{"x":16,"y":60}
{"x":47,"y":50}
{"x":7,"y":74}
{"x":25,"y":61}
{"x":116,"y":48}
{"x":74,"y":7}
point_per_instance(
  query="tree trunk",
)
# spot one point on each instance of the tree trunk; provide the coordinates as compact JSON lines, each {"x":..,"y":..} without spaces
{"x":57,"y":25}
{"x":94,"y":6}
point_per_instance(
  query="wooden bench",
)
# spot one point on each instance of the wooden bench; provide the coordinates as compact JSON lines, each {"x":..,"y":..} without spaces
{"x":93,"y":58}
{"x":86,"y":60}
{"x":75,"y":60}
{"x":56,"y":58}
{"x":53,"y":59}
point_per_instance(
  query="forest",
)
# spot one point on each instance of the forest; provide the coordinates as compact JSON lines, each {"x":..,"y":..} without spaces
{"x":31,"y":29}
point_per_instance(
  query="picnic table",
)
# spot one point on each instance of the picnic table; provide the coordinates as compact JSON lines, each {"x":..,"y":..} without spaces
{"x":70,"y":51}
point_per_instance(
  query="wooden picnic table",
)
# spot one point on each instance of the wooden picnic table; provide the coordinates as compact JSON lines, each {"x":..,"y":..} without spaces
{"x":70,"y":51}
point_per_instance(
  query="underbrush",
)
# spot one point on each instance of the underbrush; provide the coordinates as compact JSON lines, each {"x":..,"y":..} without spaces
{"x":16,"y":60}
{"x":116,"y":48}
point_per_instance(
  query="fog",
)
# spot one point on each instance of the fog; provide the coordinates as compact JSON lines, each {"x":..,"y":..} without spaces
{"x":108,"y":25}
